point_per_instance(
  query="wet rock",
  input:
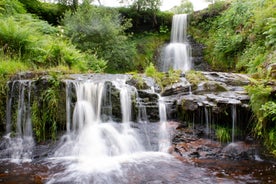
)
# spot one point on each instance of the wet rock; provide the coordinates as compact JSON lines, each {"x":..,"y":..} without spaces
{"x":28,"y":75}
{"x":239,"y":151}
{"x":197,"y":55}
{"x":182,"y":87}
{"x":188,"y":144}
{"x":210,"y":86}
{"x":194,"y":155}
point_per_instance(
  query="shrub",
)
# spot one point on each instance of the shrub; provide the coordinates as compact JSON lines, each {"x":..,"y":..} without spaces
{"x":98,"y":31}
{"x":9,"y":66}
{"x":241,"y":34}
{"x":14,"y":39}
{"x":50,"y":12}
{"x":11,"y":7}
{"x":38,"y":44}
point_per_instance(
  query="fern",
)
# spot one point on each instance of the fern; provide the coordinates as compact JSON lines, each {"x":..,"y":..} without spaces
{"x":269,"y":110}
{"x":271,"y":32}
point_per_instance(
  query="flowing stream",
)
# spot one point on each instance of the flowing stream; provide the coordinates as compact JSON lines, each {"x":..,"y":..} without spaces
{"x":97,"y":149}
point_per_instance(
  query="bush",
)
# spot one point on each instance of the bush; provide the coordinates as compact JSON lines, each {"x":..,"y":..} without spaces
{"x":8,"y":67}
{"x":50,"y":12}
{"x":38,"y":44}
{"x":11,"y":7}
{"x":240,"y":35}
{"x":142,"y":21}
{"x":98,"y":31}
{"x":14,"y":39}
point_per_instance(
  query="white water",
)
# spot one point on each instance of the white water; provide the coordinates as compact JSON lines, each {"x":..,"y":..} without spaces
{"x":177,"y":54}
{"x":234,"y":121}
{"x":19,"y":146}
{"x":164,"y":136}
{"x":100,"y":149}
{"x":207,"y":118}
{"x":92,"y":138}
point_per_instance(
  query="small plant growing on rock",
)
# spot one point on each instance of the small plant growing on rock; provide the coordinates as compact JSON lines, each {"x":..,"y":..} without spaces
{"x":223,"y":134}
{"x":195,"y":77}
{"x":163,"y":79}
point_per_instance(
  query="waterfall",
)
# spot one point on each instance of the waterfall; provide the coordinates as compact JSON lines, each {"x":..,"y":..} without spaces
{"x":68,"y":105}
{"x":207,"y":118}
{"x":234,"y":121}
{"x":177,"y":54}
{"x":164,"y":136}
{"x":19,"y":146}
{"x":125,"y":98}
{"x":91,"y":137}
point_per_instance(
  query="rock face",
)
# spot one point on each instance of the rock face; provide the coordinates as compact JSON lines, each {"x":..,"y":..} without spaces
{"x":187,"y":144}
{"x":213,"y":100}
{"x":197,"y":56}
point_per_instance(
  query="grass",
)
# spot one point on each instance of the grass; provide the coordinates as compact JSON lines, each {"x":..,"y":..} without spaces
{"x":223,"y":134}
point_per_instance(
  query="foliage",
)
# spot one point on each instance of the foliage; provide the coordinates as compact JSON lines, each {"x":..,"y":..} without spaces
{"x":144,"y":5}
{"x":95,"y":65}
{"x":259,"y":95}
{"x":163,"y":79}
{"x":271,"y":140}
{"x":195,"y":77}
{"x":139,"y":81}
{"x":185,"y":7}
{"x":152,"y":72}
{"x":171,"y":77}
{"x":38,"y":44}
{"x":46,"y":110}
{"x":14,"y":39}
{"x":98,"y":31}
{"x":263,"y":108}
{"x":142,"y":21}
{"x":271,"y":32}
{"x":269,"y":109}
{"x":223,"y":134}
{"x":147,"y":46}
{"x":9,"y":67}
{"x":50,"y":12}
{"x":11,"y":7}
{"x":240,"y":35}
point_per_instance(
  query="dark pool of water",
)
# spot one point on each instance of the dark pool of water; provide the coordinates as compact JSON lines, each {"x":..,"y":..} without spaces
{"x":145,"y":168}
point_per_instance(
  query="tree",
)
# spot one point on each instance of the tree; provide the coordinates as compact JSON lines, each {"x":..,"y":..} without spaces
{"x":150,"y":6}
{"x":99,"y":31}
{"x":73,"y":4}
{"x":144,"y":5}
{"x":185,"y":7}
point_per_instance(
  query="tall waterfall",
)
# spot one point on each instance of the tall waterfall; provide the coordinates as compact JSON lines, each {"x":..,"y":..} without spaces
{"x":177,"y":54}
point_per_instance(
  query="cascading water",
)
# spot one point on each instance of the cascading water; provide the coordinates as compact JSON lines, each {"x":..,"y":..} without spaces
{"x":207,"y":120}
{"x":19,"y":142}
{"x":90,"y":136}
{"x":96,"y":149}
{"x":234,"y":117}
{"x":164,"y":136}
{"x":98,"y":146}
{"x":177,"y":54}
{"x":234,"y":121}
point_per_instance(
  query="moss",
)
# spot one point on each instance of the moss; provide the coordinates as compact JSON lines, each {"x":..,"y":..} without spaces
{"x":195,"y":77}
